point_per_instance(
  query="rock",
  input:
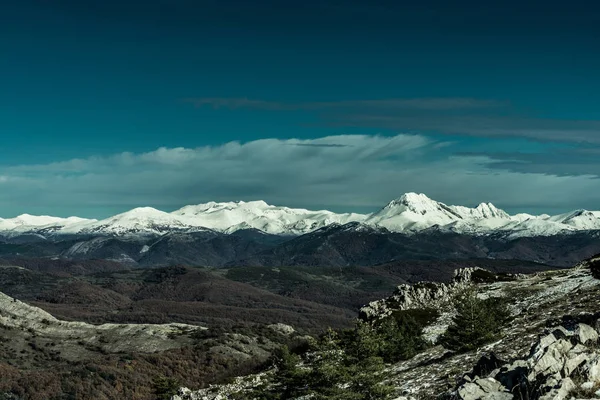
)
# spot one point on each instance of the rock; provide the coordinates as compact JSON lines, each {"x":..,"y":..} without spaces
{"x":484,"y":388}
{"x":547,"y":341}
{"x":498,"y":396}
{"x":489,"y":385}
{"x":592,"y":369}
{"x":419,"y":295}
{"x":486,"y":365}
{"x":550,"y":362}
{"x":587,"y":385}
{"x":578,"y":349}
{"x":284,"y":329}
{"x":470,"y":391}
{"x":573,"y":363}
{"x":514,"y":374}
{"x":560,"y":393}
{"x":594,"y":265}
{"x":561,"y":332}
{"x":586,"y":334}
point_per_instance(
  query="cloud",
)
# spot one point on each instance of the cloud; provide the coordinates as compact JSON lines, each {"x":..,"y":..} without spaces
{"x":339,"y":172}
{"x":489,"y":126}
{"x":450,"y":116}
{"x":450,"y":103}
{"x":559,"y":162}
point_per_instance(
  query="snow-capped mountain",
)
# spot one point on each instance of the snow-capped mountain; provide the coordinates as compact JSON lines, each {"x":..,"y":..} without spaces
{"x":415,"y":212}
{"x":234,"y":216}
{"x":142,"y":220}
{"x":43,"y":223}
{"x":411,"y":213}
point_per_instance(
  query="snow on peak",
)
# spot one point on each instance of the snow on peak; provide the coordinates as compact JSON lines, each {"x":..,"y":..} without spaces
{"x":26,"y":223}
{"x":410,"y":213}
{"x":482,"y":211}
{"x":233,"y":216}
{"x":579,"y":219}
{"x":414,"y":202}
{"x":141,"y":220}
{"x":413,"y":211}
{"x":488,"y":210}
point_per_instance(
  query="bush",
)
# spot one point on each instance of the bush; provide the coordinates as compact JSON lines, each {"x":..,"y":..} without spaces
{"x":395,"y":338}
{"x":165,"y":388}
{"x":327,"y":372}
{"x":477,"y":321}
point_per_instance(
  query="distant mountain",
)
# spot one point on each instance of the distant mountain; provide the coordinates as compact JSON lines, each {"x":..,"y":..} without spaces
{"x":411,"y":213}
{"x":358,"y":244}
{"x":234,"y":216}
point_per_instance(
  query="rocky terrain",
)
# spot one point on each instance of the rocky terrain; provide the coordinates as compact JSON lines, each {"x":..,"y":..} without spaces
{"x":547,"y":350}
{"x":43,"y":357}
{"x":70,"y":338}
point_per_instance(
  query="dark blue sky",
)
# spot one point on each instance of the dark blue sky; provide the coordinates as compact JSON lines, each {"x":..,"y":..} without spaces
{"x":499,"y":80}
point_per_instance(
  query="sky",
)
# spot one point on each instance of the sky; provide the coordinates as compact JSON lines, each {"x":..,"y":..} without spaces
{"x":339,"y":104}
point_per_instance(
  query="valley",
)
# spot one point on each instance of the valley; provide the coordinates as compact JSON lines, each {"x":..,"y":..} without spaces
{"x":143,"y":303}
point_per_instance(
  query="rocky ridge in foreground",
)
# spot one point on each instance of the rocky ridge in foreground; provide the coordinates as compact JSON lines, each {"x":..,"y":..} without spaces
{"x":548,"y":350}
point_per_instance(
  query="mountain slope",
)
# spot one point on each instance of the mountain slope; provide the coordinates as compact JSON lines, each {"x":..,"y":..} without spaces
{"x":233,"y":216}
{"x":411,"y":213}
{"x":358,"y":244}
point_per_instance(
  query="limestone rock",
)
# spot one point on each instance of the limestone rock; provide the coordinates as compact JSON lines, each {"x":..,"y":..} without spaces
{"x":586,"y":333}
{"x":498,"y":396}
{"x":419,"y":295}
{"x":573,"y":363}
{"x":282,"y":328}
{"x":470,"y":391}
{"x":562,"y":392}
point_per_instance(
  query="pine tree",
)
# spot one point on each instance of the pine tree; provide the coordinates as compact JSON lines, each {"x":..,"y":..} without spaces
{"x":400,"y":338}
{"x":476,"y":321}
{"x":165,"y":387}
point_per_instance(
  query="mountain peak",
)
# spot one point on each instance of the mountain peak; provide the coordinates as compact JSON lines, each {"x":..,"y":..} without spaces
{"x":415,"y":202}
{"x":142,"y":212}
{"x":488,"y":210}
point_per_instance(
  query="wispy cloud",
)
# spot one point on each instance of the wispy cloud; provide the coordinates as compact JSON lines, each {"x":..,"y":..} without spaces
{"x":559,"y":162}
{"x":345,"y":171}
{"x":450,"y":116}
{"x":450,"y":103}
{"x":491,"y":126}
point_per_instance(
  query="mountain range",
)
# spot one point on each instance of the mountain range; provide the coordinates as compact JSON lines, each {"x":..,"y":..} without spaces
{"x":409,"y":214}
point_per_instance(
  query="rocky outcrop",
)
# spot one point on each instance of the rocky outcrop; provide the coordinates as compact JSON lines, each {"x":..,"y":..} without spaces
{"x":564,"y":362}
{"x":220,"y":392}
{"x":423,"y":294}
{"x":548,"y":349}
{"x":283,"y":329}
{"x":26,"y":320}
{"x":593,"y":264}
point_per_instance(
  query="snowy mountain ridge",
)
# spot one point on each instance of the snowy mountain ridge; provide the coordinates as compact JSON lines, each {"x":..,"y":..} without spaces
{"x":410,"y":213}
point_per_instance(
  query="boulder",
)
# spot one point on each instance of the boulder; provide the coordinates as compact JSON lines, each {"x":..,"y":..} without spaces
{"x":498,"y":396}
{"x":282,"y":328}
{"x":586,"y":334}
{"x":592,"y":368}
{"x":573,"y":363}
{"x":550,"y":362}
{"x":470,"y":391}
{"x":594,"y":266}
{"x":561,"y":392}
{"x":489,"y":385}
